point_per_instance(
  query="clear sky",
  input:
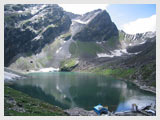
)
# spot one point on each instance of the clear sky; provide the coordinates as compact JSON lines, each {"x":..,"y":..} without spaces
{"x":132,"y":18}
{"x":123,"y":14}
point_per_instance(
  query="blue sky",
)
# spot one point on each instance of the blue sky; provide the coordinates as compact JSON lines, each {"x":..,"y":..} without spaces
{"x":124,"y":13}
{"x":132,"y":18}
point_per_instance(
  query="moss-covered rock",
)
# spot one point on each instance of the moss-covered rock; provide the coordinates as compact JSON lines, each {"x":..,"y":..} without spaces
{"x":66,"y":36}
{"x":69,"y":64}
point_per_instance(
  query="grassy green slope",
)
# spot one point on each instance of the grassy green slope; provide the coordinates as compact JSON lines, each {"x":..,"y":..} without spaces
{"x":116,"y":72}
{"x":89,"y":49}
{"x":19,"y":104}
{"x":85,"y":49}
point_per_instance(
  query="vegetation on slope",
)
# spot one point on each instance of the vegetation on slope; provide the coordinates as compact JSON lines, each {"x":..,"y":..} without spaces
{"x":112,"y":42}
{"x":17,"y":103}
{"x":85,"y":49}
{"x":36,"y":30}
{"x":145,"y":74}
{"x":69,"y":64}
{"x":117,"y":72}
{"x":66,"y":36}
{"x":32,"y":61}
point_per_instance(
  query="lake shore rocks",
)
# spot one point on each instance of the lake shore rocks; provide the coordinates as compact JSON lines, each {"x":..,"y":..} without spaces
{"x":144,"y":87}
{"x":80,"y":112}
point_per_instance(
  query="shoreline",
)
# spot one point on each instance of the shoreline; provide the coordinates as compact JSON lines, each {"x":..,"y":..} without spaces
{"x":151,"y":89}
{"x":142,"y":87}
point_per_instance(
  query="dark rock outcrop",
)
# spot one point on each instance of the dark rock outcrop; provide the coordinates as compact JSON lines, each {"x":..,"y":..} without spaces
{"x":100,"y":28}
{"x":72,"y":15}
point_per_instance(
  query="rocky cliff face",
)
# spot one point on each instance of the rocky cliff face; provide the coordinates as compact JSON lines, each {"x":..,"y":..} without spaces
{"x":99,"y":27}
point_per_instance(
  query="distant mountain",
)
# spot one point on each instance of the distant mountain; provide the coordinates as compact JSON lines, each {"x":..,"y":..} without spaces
{"x":39,"y":36}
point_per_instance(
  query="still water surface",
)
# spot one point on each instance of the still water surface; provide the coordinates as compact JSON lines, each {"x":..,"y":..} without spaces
{"x":85,"y":90}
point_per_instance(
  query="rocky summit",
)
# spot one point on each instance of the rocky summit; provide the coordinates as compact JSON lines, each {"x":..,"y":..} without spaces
{"x":41,"y":36}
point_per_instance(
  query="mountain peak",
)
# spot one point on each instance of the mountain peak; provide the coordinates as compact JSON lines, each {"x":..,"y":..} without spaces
{"x":99,"y":28}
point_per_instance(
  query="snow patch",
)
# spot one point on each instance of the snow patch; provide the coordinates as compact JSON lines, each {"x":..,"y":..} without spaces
{"x":58,"y":50}
{"x":134,"y":53}
{"x":43,"y":6}
{"x":118,"y":52}
{"x":85,"y":22}
{"x":10,"y":76}
{"x":142,"y":42}
{"x":57,"y":87}
{"x":81,"y":22}
{"x":37,"y":37}
{"x":34,"y":10}
{"x":134,"y":37}
{"x":50,"y":69}
{"x":20,"y":11}
{"x":104,"y":55}
{"x":99,"y":42}
{"x":77,"y":61}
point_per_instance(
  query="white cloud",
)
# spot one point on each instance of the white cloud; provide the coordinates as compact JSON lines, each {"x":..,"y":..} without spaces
{"x":140,"y":25}
{"x":82,"y":8}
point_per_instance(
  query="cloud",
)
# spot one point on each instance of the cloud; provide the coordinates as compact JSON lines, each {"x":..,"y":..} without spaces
{"x":140,"y":25}
{"x":82,"y":8}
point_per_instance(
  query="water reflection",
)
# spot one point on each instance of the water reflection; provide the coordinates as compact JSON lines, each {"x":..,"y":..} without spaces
{"x":83,"y":90}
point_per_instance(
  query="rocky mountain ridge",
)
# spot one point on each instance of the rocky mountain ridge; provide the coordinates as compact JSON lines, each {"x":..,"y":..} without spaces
{"x":42,"y":24}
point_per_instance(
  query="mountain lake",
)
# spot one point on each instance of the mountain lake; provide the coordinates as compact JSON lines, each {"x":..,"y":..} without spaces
{"x":84,"y":90}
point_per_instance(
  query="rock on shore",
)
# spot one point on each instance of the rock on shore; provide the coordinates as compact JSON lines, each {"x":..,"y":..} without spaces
{"x":79,"y":112}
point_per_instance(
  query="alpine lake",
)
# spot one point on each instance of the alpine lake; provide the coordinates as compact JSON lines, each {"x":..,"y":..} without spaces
{"x":84,"y":90}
